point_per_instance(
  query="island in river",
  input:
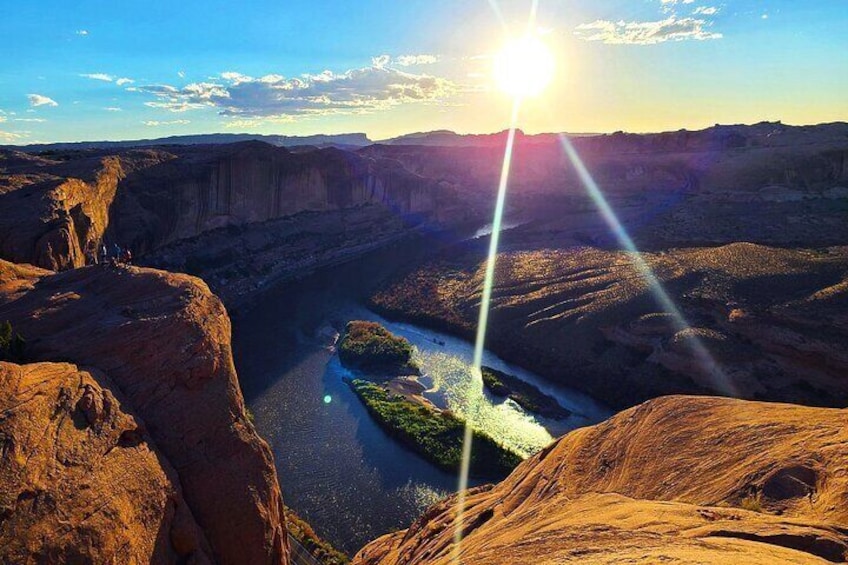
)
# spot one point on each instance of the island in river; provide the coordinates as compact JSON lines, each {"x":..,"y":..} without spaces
{"x":396,"y":404}
{"x":524,"y":394}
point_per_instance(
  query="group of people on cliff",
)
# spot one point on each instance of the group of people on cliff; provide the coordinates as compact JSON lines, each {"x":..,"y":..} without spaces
{"x":117,"y":256}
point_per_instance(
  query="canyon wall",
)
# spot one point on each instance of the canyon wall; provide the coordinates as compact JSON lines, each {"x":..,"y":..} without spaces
{"x":163,"y":340}
{"x":754,"y":322}
{"x":59,"y":207}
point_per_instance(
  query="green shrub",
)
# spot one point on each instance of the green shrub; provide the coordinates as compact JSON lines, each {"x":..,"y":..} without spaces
{"x":754,"y":503}
{"x":524,"y":394}
{"x":368,"y":346}
{"x":11,"y":344}
{"x":437,"y":436}
{"x":320,"y":549}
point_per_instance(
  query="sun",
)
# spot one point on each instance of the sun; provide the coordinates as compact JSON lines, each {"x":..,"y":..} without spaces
{"x":524,"y":67}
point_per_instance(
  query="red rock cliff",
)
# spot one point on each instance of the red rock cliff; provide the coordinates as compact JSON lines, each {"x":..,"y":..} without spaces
{"x":164,"y":341}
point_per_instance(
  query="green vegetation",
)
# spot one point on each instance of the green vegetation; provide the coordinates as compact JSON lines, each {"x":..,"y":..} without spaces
{"x":320,"y":549}
{"x":368,"y":346}
{"x":524,"y":394}
{"x":11,"y":344}
{"x":435,"y":435}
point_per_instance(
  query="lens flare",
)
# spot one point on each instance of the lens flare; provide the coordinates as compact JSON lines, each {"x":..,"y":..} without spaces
{"x":482,"y":323}
{"x":708,"y":363}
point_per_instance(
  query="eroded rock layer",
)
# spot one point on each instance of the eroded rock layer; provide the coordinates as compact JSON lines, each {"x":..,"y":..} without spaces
{"x":674,"y":480}
{"x":755,"y":322}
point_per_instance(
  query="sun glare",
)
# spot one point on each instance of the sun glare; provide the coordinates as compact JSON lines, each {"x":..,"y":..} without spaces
{"x":524,"y":67}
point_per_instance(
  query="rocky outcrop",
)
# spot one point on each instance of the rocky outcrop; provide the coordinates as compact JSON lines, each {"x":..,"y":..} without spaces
{"x":81,"y":480}
{"x":164,"y":341}
{"x":675,"y":480}
{"x":754,"y":321}
{"x":55,"y":212}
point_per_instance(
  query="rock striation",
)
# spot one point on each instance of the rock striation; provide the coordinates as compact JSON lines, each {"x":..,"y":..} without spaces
{"x":164,"y":341}
{"x":674,"y":480}
{"x":81,"y":480}
{"x":757,"y":322}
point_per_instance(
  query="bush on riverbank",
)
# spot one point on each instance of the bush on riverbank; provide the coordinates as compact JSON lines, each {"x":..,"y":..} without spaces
{"x":524,"y":394}
{"x":368,"y":346}
{"x":11,"y":344}
{"x":317,"y":547}
{"x":435,"y":435}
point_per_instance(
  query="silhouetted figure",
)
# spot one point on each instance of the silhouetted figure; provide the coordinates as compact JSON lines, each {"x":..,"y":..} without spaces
{"x":104,"y":255}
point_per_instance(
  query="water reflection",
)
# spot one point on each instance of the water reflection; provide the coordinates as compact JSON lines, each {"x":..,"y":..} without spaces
{"x":337,"y":467}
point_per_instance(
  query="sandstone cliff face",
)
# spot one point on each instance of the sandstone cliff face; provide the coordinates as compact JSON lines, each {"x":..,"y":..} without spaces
{"x":55,"y":211}
{"x":662,"y":482}
{"x":213,"y":187}
{"x":772,"y":320}
{"x":81,"y":481}
{"x":164,"y":341}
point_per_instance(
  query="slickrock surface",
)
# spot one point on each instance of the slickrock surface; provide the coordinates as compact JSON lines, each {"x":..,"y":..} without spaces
{"x":664,"y":482}
{"x":164,"y":341}
{"x":773,"y":321}
{"x":81,"y":481}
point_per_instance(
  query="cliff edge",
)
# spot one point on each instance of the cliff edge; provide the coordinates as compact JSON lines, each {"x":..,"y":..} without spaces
{"x":164,"y":341}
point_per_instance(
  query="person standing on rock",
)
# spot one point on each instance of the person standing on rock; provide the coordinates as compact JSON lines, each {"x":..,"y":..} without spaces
{"x":104,"y":254}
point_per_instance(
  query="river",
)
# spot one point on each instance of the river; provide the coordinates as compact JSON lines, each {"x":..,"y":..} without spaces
{"x":338,"y":469}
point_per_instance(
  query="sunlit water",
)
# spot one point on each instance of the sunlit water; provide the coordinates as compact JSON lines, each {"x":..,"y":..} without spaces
{"x":337,"y":467}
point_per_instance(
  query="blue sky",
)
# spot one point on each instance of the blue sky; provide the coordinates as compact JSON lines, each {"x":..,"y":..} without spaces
{"x":119,"y":70}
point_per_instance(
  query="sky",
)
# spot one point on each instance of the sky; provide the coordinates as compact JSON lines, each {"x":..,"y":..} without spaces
{"x":96,"y":69}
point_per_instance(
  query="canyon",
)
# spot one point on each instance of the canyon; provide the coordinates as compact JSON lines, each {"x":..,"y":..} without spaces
{"x":743,"y":229}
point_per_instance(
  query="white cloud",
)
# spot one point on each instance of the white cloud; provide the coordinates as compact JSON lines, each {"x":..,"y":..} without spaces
{"x":34,"y":120}
{"x":124,"y":80}
{"x":81,"y":32}
{"x":39,"y":100}
{"x":154,"y":123}
{"x":10,"y":136}
{"x":355,"y":91}
{"x":646,"y":33}
{"x":706,"y":10}
{"x":98,"y":76}
{"x":764,"y":16}
{"x":381,"y":61}
{"x":113,"y":109}
{"x":181,"y":74}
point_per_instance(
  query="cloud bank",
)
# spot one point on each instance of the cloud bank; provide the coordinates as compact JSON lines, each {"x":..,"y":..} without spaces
{"x":359,"y":90}
{"x":646,"y":33}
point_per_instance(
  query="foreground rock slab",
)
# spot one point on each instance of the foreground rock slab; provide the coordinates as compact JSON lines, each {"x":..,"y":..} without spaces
{"x":80,"y":478}
{"x":164,"y":341}
{"x":674,"y":480}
